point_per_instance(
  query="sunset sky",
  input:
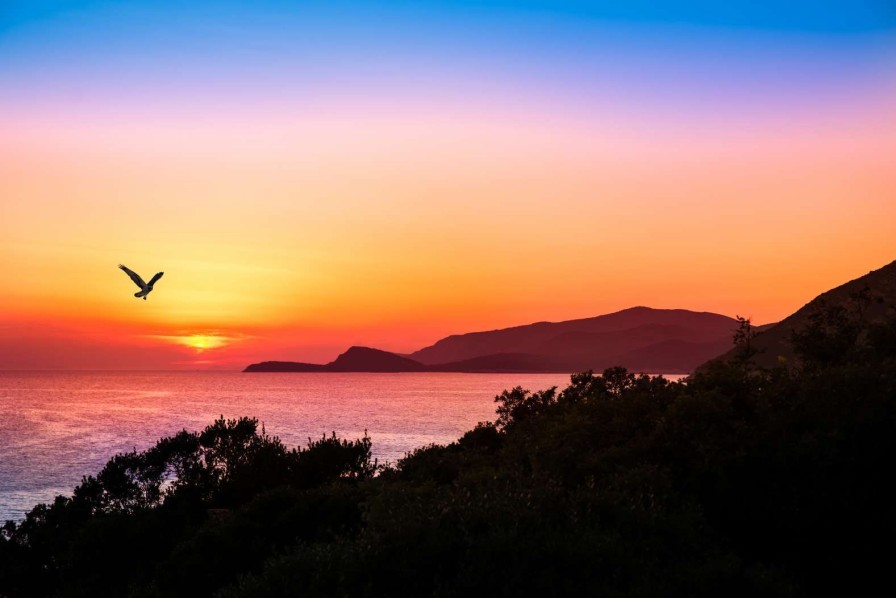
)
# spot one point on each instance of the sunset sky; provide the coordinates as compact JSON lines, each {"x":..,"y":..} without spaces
{"x":314,"y":175}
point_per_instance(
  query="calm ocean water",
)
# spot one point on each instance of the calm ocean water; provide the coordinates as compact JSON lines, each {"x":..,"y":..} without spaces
{"x":59,"y":426}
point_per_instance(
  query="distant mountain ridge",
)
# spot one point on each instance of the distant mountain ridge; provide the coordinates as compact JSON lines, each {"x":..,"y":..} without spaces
{"x":640,"y":338}
{"x":356,"y":359}
{"x":622,"y":331}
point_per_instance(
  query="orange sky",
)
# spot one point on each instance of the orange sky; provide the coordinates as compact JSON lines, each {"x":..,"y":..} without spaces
{"x":291,"y":231}
{"x":415,"y":232}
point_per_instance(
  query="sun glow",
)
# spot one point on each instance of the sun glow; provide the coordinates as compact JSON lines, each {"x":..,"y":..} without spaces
{"x":203,"y":341}
{"x":200,"y":342}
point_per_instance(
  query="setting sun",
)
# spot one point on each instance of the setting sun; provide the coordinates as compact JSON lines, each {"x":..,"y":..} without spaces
{"x":200,"y":342}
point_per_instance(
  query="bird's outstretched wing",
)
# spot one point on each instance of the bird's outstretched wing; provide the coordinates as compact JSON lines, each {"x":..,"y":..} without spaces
{"x":134,"y":276}
{"x":155,"y":278}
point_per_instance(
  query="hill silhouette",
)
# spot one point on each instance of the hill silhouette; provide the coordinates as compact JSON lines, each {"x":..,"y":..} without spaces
{"x":356,"y":359}
{"x":624,"y":330}
{"x":867,"y":299}
{"x":640,"y":338}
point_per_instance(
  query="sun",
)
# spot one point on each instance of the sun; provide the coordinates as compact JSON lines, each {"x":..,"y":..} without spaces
{"x":199,"y":341}
{"x":202,"y":342}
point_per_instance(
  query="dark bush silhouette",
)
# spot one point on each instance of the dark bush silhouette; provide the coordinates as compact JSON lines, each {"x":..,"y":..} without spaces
{"x":740,"y":481}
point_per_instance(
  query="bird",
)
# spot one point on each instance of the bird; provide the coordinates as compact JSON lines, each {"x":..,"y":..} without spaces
{"x":145,"y":287}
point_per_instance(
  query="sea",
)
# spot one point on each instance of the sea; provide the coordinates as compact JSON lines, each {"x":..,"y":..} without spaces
{"x":56,"y":427}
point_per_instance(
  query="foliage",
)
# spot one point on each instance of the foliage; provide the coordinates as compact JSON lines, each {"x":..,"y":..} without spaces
{"x":743,"y":340}
{"x":837,"y":332}
{"x":739,"y":481}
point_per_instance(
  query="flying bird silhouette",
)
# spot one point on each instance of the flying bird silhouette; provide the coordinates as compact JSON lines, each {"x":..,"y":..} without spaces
{"x":145,"y":287}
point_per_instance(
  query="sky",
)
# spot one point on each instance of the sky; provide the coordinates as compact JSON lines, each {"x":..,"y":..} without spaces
{"x":315,"y":175}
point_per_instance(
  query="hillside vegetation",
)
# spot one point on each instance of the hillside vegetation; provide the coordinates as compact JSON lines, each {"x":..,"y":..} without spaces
{"x":868,"y":298}
{"x":741,"y":481}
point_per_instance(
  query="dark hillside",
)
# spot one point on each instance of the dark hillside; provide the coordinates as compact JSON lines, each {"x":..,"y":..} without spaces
{"x":869,"y":298}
